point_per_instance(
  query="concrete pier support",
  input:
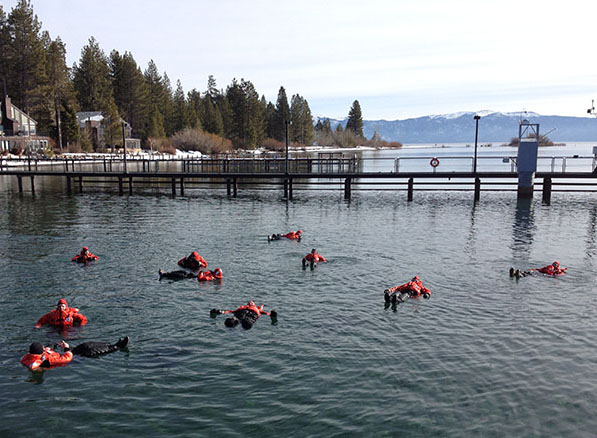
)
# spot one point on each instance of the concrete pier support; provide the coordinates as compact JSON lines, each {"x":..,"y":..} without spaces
{"x":528,"y":147}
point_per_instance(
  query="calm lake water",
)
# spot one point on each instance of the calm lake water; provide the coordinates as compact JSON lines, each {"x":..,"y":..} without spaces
{"x":485,"y":356}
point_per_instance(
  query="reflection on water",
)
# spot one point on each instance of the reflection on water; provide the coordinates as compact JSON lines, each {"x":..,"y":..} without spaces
{"x":523,"y":228}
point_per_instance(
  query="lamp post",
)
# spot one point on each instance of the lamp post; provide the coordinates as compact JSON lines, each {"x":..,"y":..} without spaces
{"x":124,"y":144}
{"x":287,"y":123}
{"x":477,"y":117}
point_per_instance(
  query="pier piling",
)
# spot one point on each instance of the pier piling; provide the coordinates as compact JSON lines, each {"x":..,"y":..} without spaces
{"x":181,"y":186}
{"x":20,"y":183}
{"x":32,"y":184}
{"x":547,"y":190}
{"x":347,"y":183}
{"x":120,"y":189}
{"x":174,"y":187}
{"x":130,"y":185}
{"x":409,"y":196}
{"x":477,"y":189}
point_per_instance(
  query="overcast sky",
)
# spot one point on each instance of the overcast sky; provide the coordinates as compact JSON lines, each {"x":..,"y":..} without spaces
{"x":399,"y":58}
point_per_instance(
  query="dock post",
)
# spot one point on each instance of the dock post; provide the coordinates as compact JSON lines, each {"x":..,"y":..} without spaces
{"x":80,"y":184}
{"x":477,"y":189}
{"x":68,"y":185}
{"x":229,"y":187}
{"x":20,"y":183}
{"x":409,"y":196}
{"x":105,"y":164}
{"x":130,"y":185}
{"x":32,"y":184}
{"x":181,"y":186}
{"x":285,"y":188}
{"x":347,"y":189}
{"x":234,"y":187}
{"x":547,"y":190}
{"x":120,"y":190}
{"x":174,"y":187}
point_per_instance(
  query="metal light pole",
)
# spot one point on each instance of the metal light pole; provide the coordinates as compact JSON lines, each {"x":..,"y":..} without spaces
{"x":287,"y":123}
{"x":124,"y":144}
{"x":477,"y":117}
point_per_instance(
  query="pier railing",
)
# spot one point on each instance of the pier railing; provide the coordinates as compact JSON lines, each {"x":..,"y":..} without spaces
{"x":315,"y":166}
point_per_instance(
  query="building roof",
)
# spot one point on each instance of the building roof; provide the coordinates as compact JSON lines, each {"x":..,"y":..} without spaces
{"x":94,"y":116}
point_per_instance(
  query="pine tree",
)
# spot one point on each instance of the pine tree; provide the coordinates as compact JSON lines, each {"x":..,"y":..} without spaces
{"x":282,"y":115}
{"x":24,"y":63}
{"x":153,"y":80}
{"x":270,"y":120}
{"x":91,"y":78}
{"x":355,"y":119}
{"x":195,"y":109}
{"x":302,"y":121}
{"x":212,"y":118}
{"x":64,"y":127}
{"x":4,"y":46}
{"x":167,"y":106}
{"x":180,"y":119}
{"x":130,"y":91}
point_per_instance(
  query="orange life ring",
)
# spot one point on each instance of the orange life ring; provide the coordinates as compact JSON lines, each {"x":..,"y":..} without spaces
{"x":434,"y":162}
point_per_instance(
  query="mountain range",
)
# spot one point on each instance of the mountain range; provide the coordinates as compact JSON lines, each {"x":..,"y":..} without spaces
{"x":494,"y":127}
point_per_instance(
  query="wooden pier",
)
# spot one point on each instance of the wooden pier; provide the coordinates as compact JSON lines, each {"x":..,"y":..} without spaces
{"x":342,"y":174}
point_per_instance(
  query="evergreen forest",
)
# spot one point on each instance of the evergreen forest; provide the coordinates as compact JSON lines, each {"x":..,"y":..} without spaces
{"x":38,"y":81}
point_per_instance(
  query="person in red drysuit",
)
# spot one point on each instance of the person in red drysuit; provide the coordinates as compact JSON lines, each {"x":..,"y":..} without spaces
{"x":84,"y":256}
{"x":313,"y":257}
{"x":194,"y":261}
{"x":44,"y":357}
{"x":62,"y":316}
{"x":247,"y":315}
{"x":414,"y":288}
{"x":293,"y":235}
{"x":553,"y":270}
{"x":216,"y":274}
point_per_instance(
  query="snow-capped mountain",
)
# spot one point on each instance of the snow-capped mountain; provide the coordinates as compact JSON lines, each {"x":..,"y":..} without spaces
{"x":494,"y":127}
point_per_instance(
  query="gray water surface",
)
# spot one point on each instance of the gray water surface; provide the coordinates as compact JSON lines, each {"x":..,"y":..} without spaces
{"x":485,"y":356}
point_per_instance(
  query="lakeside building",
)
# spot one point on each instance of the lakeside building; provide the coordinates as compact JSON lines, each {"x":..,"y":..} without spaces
{"x":18,"y":131}
{"x":93,"y":123}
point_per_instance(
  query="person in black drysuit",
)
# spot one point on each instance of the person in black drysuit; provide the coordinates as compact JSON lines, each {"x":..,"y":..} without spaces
{"x":94,"y":348}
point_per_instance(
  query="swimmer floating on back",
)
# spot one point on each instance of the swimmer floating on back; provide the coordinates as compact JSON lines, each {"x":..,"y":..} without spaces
{"x":552,"y":270}
{"x":414,"y":289}
{"x":293,"y":235}
{"x":40,"y":357}
{"x":247,"y":315}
